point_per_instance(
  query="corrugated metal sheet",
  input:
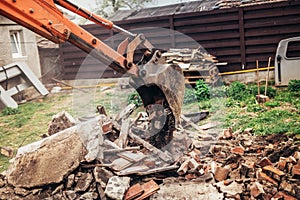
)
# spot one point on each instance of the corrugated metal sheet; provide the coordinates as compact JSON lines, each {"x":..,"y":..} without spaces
{"x":238,"y":35}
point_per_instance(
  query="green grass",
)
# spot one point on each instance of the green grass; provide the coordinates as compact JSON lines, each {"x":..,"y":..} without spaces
{"x":279,"y":115}
{"x":26,"y":124}
{"x":22,"y":126}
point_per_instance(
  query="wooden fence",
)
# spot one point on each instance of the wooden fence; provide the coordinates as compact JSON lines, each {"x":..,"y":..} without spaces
{"x":238,"y":36}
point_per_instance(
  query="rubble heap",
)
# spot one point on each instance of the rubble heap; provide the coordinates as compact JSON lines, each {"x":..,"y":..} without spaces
{"x":196,"y":64}
{"x":114,"y":158}
{"x":223,"y":4}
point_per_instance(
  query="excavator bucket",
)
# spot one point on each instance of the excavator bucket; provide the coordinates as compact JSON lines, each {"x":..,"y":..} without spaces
{"x":161,"y":87}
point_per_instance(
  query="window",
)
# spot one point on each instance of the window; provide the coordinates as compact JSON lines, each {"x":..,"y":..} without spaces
{"x":16,"y":46}
{"x":293,"y":49}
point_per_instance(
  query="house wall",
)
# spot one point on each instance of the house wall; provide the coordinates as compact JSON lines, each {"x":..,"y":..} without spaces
{"x":29,"y":47}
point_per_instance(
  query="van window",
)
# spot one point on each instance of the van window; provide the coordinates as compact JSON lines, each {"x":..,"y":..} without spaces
{"x":293,"y":49}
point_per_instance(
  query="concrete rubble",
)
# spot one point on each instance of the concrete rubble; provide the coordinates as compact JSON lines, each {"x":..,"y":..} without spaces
{"x":109,"y":158}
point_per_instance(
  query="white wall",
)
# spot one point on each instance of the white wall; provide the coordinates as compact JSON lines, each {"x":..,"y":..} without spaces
{"x":28,"y":39}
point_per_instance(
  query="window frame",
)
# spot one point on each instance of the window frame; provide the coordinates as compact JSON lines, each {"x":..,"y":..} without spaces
{"x":288,"y":57}
{"x":15,"y":37}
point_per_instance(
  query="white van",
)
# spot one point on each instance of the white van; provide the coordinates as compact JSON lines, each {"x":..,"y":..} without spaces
{"x":287,"y":61}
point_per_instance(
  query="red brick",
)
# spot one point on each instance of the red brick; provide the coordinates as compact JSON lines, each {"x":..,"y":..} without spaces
{"x":191,"y":176}
{"x":107,"y":127}
{"x":234,"y":165}
{"x":227,"y":134}
{"x":149,"y":188}
{"x":133,"y":192}
{"x":296,"y":171}
{"x":297,"y":155}
{"x":227,"y":182}
{"x":221,"y":173}
{"x":263,"y":176}
{"x":284,"y":195}
{"x":281,"y":164}
{"x":238,"y":150}
{"x":264,"y":162}
{"x":273,"y":170}
{"x":256,"y":189}
{"x":292,"y":160}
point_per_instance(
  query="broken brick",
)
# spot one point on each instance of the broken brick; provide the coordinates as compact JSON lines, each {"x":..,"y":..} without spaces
{"x":297,"y":155}
{"x":234,"y":165}
{"x":193,"y":164}
{"x":264,"y":162}
{"x":184,"y":167}
{"x":273,"y":170}
{"x":227,"y":182}
{"x":238,"y":150}
{"x":292,"y":160}
{"x":191,"y":176}
{"x":296,"y":171}
{"x":227,"y":133}
{"x":256,"y":189}
{"x":149,"y":189}
{"x":221,"y":173}
{"x":107,"y":127}
{"x":263,"y":176}
{"x":283,"y":195}
{"x":284,"y":185}
{"x":133,"y":192}
{"x":281,"y":164}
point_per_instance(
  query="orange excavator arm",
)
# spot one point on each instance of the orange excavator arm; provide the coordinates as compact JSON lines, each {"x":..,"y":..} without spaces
{"x":158,"y":83}
{"x":44,"y":18}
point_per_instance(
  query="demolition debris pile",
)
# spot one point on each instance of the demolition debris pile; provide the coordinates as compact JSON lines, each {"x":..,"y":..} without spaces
{"x":223,"y":4}
{"x":196,"y":64}
{"x":113,"y":158}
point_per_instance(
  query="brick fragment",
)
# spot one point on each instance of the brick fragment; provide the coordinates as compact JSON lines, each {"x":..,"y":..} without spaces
{"x":133,"y":192}
{"x":238,"y":150}
{"x":107,"y":127}
{"x":193,"y":164}
{"x":297,"y":155}
{"x":263,"y":176}
{"x":221,"y":173}
{"x":296,"y":171}
{"x":256,"y":189}
{"x":292,"y":160}
{"x":273,"y":170}
{"x":149,"y":188}
{"x":284,"y":185}
{"x":227,"y":134}
{"x":281,"y":195}
{"x":264,"y":162}
{"x":281,"y":164}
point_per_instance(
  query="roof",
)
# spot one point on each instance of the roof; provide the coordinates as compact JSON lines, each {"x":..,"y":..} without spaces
{"x":186,"y":7}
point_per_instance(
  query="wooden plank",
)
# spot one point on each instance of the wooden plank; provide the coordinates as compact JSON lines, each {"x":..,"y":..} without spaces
{"x":242,"y":37}
{"x":278,"y":21}
{"x":264,"y":13}
{"x":122,"y":139}
{"x":172,"y":27}
{"x":208,"y":20}
{"x":212,"y":36}
{"x":165,"y":157}
{"x":278,"y":30}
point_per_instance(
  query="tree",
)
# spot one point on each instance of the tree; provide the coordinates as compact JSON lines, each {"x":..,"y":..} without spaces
{"x":107,"y":7}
